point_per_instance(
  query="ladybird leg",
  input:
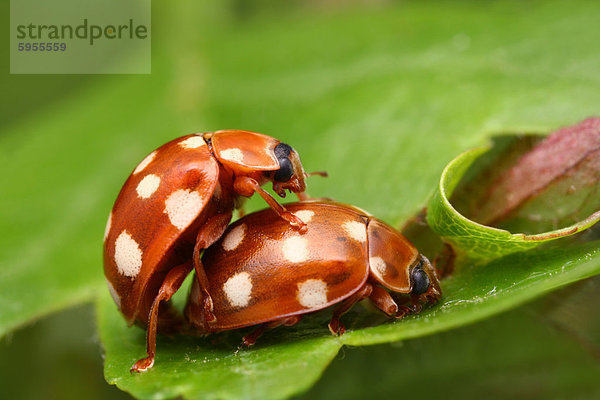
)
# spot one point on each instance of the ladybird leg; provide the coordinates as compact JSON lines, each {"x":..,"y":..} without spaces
{"x":250,"y":339}
{"x":381,"y":299}
{"x":210,"y":233}
{"x":207,"y":306}
{"x":302,"y":196}
{"x":402,"y":312}
{"x":335,"y":325}
{"x":246,"y":186}
{"x":415,"y":301}
{"x":170,"y":285}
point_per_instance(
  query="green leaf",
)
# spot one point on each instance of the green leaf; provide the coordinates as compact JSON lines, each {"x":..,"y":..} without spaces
{"x":473,"y":239}
{"x":525,"y":347}
{"x":201,"y":368}
{"x":211,"y":368}
{"x":383,"y":107}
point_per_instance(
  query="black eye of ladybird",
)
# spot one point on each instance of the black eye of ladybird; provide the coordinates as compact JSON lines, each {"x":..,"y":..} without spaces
{"x":420,"y":280}
{"x":286,"y":169}
{"x":282,"y":150}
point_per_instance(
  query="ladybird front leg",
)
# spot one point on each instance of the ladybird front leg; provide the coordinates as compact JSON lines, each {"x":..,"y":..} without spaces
{"x":246,"y":186}
{"x":402,"y":312}
{"x":382,"y":299}
{"x":250,"y":339}
{"x":210,"y":233}
{"x":335,"y":325}
{"x":170,"y":285}
{"x":302,"y":196}
{"x":430,"y":297}
{"x":415,"y":301}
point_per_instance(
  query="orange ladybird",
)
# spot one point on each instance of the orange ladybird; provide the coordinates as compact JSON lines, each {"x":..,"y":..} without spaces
{"x":177,"y":202}
{"x":263,"y":272}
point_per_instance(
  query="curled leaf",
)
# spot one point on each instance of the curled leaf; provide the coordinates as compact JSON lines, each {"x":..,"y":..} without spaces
{"x":552,"y":182}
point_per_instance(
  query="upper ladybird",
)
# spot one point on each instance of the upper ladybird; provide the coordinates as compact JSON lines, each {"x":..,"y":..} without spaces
{"x":178,"y":201}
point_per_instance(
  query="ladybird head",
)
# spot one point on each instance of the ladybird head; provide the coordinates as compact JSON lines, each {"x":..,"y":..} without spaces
{"x":262,"y":157}
{"x":424,"y":281}
{"x":290,"y":175}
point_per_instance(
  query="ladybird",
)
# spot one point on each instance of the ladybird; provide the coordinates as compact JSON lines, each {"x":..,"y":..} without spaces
{"x":262,"y":272}
{"x":177,"y":202}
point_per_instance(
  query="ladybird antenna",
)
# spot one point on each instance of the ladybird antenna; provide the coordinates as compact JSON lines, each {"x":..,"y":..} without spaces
{"x":320,"y":173}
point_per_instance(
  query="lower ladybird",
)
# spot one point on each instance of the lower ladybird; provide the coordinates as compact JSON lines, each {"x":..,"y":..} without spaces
{"x":263,"y":272}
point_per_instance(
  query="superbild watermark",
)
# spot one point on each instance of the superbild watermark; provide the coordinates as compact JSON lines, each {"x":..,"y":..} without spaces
{"x":80,"y":36}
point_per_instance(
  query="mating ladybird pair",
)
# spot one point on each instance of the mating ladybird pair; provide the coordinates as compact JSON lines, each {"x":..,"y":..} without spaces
{"x":269,"y":267}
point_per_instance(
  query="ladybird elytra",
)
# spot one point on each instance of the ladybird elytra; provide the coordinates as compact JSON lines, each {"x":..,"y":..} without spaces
{"x":263,"y":272}
{"x":178,"y":201}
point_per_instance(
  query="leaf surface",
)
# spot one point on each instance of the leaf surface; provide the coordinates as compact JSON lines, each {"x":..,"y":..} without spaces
{"x":383,"y":107}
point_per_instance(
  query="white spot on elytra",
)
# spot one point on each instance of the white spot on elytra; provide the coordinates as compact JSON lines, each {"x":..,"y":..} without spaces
{"x":295,"y":249}
{"x":238,"y":289}
{"x":312,"y":293}
{"x":144,"y":163}
{"x":357,"y":230}
{"x":147,"y":186}
{"x":193,"y":142}
{"x":234,"y":154}
{"x":128,"y":255}
{"x":234,"y":237}
{"x":114,"y":294}
{"x":305,"y":215}
{"x":182,"y":206}
{"x":378,"y":265}
{"x":108,"y":225}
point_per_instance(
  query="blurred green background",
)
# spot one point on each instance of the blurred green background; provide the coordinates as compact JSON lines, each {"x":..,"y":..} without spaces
{"x":381,"y":94}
